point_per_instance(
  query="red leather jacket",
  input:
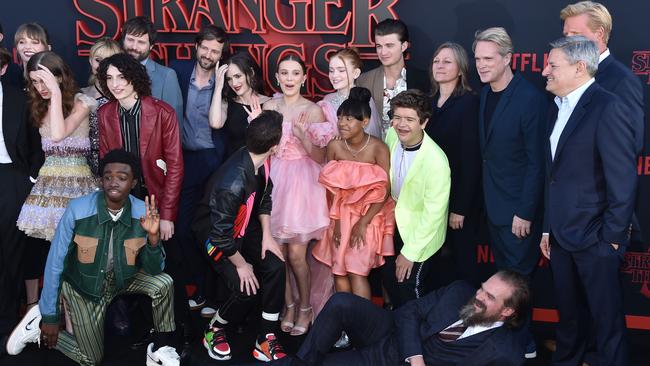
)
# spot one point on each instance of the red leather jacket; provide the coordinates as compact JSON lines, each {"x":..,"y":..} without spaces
{"x":159,"y":140}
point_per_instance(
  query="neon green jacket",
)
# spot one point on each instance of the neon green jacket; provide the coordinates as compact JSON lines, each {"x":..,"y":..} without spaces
{"x":421,"y":210}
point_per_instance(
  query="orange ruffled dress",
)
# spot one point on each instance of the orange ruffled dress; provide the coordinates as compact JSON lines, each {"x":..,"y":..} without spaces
{"x":355,"y":186}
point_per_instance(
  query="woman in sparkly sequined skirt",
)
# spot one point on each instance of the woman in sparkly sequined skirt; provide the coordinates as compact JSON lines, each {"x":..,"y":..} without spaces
{"x":62,"y":116}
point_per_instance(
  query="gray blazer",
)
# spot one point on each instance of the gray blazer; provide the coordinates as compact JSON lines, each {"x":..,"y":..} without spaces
{"x":164,"y":86}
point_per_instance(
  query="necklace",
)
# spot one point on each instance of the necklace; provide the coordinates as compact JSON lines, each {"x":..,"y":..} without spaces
{"x":355,"y":153}
{"x":414,"y":146}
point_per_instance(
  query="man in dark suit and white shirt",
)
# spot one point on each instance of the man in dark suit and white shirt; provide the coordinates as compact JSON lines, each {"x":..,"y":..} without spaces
{"x":593,"y":21}
{"x":590,"y":189}
{"x":455,"y":325}
{"x":20,"y":159}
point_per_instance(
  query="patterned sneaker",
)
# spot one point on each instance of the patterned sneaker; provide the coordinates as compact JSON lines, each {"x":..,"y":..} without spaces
{"x":27,"y":331}
{"x":214,"y":340}
{"x":269,"y":350}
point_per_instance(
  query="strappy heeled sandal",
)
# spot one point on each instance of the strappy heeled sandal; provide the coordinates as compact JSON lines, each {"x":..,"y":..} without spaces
{"x":300,"y":330}
{"x":287,"y":324}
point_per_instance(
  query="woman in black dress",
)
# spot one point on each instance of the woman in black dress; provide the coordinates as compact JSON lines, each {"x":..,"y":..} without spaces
{"x":454,"y":127}
{"x":232,"y":106}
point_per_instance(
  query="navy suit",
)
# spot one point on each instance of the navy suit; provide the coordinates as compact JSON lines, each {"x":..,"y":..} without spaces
{"x":513,"y":170}
{"x":615,"y":77}
{"x":590,"y":190}
{"x":387,"y":338}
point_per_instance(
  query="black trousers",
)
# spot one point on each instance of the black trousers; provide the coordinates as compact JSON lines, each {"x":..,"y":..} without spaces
{"x":369,"y":327}
{"x":199,"y":166}
{"x":588,"y":282}
{"x":269,"y":273}
{"x":520,"y":255}
{"x":16,"y":187}
{"x":412,"y":288}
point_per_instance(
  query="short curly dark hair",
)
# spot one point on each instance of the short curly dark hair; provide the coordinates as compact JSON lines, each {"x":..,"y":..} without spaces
{"x":133,"y":71}
{"x":413,"y":99}
{"x":123,"y":157}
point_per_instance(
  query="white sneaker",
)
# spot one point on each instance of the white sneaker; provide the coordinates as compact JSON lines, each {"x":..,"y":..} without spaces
{"x":208,"y":312}
{"x":164,"y":356}
{"x":27,"y":331}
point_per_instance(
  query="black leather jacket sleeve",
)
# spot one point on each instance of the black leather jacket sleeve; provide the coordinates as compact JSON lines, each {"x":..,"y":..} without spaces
{"x":224,"y":205}
{"x":266,"y":203}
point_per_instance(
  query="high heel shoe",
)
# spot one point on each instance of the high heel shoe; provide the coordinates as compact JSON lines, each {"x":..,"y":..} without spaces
{"x":299,"y":330}
{"x":287,"y":324}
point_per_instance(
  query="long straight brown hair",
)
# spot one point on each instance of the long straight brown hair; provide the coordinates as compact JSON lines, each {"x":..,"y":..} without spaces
{"x":462,"y":86}
{"x":61,"y":71}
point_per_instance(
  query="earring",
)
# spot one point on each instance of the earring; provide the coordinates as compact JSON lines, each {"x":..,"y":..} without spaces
{"x":277,"y":82}
{"x":303,"y":83}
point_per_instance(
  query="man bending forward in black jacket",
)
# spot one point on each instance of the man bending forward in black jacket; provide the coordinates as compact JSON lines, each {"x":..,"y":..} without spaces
{"x":240,"y":243}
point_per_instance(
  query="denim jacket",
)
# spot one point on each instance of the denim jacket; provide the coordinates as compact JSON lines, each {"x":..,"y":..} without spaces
{"x":79,"y":251}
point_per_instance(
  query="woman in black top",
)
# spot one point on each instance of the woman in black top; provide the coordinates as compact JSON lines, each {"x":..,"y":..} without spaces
{"x":454,"y":127}
{"x":231,"y":106}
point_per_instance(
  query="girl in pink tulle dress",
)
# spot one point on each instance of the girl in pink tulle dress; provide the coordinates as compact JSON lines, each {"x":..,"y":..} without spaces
{"x":344,"y":68}
{"x":360,"y":234}
{"x":299,"y":205}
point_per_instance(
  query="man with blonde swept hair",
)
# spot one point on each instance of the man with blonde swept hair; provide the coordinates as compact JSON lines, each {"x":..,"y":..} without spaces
{"x":593,"y":21}
{"x":511,"y":134}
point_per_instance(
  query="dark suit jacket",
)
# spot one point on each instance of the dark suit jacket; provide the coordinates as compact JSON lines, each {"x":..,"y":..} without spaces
{"x":22,"y":139}
{"x":159,"y":140}
{"x":373,"y":80}
{"x":591,"y":183}
{"x":512,"y":152}
{"x":419,"y":321}
{"x":454,"y":127}
{"x":615,"y":77}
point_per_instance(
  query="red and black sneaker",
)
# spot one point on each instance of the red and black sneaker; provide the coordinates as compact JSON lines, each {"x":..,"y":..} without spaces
{"x":214,"y":340}
{"x":270,"y":349}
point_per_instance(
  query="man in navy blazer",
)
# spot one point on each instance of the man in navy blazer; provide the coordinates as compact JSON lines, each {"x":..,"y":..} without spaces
{"x":590,"y":190}
{"x":593,"y":21}
{"x":512,"y":117}
{"x":138,"y":39}
{"x":455,"y":325}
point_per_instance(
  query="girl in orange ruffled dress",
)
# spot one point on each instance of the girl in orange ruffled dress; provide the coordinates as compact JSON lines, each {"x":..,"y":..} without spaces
{"x":360,"y":233}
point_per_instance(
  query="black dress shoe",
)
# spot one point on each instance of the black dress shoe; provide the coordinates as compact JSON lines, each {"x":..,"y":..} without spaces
{"x":143,"y":342}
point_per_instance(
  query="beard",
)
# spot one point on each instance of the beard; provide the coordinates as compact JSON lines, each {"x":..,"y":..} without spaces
{"x":138,"y":56}
{"x":207,"y":64}
{"x":472,"y":317}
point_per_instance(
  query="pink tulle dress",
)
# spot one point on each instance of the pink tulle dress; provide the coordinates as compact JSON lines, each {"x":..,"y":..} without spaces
{"x":354,"y":187}
{"x":331,"y":103}
{"x":299,"y":203}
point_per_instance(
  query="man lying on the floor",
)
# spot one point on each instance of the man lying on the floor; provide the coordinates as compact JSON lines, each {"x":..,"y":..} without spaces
{"x":455,"y":325}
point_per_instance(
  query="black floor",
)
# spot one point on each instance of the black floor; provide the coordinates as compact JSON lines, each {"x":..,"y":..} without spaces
{"x":117,"y":350}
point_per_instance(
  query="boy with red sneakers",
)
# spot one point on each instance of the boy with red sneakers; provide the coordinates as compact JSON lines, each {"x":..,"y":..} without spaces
{"x":239,"y":240}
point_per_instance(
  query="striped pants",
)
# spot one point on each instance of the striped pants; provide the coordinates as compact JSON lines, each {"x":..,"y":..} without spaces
{"x":86,"y":345}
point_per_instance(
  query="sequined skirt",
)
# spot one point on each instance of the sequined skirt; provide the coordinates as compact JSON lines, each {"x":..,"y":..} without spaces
{"x":59,"y":180}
